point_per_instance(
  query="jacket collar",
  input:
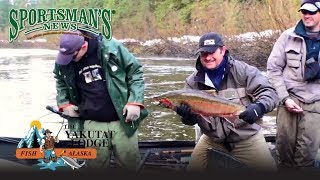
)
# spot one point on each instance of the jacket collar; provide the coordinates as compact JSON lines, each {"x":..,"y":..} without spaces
{"x":109,"y":47}
{"x":300,"y":29}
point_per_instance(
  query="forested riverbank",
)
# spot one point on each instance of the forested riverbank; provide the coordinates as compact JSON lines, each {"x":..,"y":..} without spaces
{"x":145,"y":20}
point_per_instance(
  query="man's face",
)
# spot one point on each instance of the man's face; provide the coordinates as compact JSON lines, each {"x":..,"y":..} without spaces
{"x":212,"y":60}
{"x":311,"y":20}
{"x":48,"y":134}
{"x":79,"y":54}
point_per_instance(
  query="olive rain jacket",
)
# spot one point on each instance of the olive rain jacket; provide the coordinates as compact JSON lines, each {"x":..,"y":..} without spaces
{"x":124,"y":77}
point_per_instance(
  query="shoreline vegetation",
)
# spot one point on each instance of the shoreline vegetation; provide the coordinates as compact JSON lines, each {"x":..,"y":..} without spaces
{"x":160,"y":20}
{"x":251,"y":48}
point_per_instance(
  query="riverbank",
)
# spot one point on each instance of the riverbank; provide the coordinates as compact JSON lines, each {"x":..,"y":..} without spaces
{"x":253,"y":50}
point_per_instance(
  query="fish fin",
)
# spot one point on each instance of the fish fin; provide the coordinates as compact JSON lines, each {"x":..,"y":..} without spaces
{"x":228,"y":121}
{"x":166,"y":103}
{"x":82,"y":164}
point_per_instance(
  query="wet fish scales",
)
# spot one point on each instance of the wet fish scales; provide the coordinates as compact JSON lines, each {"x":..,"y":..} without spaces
{"x":202,"y":103}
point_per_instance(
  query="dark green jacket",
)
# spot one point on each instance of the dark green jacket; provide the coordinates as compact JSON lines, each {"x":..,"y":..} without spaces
{"x":124,"y":77}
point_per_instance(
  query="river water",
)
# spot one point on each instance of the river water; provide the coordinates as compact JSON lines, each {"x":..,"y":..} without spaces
{"x":27,"y":86}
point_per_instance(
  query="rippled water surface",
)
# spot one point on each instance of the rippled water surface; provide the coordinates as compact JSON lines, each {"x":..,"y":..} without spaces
{"x":27,"y":86}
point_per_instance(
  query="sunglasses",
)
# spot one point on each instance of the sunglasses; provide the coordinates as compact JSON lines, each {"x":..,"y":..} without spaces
{"x":304,"y":12}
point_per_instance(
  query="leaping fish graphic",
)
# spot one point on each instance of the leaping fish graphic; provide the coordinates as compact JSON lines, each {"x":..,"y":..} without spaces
{"x":72,"y":162}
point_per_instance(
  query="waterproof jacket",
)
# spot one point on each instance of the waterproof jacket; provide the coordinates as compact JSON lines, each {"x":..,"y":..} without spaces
{"x":286,"y":66}
{"x":124,"y":81}
{"x":242,"y":84}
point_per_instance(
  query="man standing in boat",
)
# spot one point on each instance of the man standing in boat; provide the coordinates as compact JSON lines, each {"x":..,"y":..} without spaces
{"x":218,"y":72}
{"x":101,"y":83}
{"x":47,"y":144}
{"x":293,"y":69}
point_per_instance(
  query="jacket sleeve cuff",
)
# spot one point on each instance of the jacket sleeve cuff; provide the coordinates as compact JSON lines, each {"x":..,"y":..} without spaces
{"x":263,"y":109}
{"x":284,"y":100}
{"x":137,"y":104}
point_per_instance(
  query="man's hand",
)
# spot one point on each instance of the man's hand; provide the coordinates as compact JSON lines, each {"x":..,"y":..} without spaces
{"x":72,"y":111}
{"x":292,"y":106}
{"x":42,"y":145}
{"x":187,"y":117}
{"x":56,"y":139}
{"x":253,"y":112}
{"x":132,"y":112}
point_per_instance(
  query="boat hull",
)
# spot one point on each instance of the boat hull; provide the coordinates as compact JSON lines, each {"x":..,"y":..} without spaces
{"x":171,"y":155}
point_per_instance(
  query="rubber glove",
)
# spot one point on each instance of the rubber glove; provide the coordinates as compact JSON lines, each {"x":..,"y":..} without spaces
{"x":132,"y":112}
{"x":72,"y":111}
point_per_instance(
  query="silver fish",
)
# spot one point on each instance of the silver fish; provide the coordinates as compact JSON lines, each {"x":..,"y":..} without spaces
{"x":72,"y":162}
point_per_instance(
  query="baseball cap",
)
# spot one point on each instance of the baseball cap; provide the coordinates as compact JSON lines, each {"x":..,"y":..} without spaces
{"x":210,"y":42}
{"x":310,"y":5}
{"x":70,"y":42}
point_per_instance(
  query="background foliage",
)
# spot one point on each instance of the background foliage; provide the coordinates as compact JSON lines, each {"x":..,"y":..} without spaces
{"x":158,"y":19}
{"x":148,"y":19}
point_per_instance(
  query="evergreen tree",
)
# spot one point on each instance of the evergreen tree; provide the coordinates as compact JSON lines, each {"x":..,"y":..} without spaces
{"x":35,"y":143}
{"x":24,"y":144}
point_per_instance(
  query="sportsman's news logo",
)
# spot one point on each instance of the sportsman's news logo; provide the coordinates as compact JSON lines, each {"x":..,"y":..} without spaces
{"x":40,"y":22}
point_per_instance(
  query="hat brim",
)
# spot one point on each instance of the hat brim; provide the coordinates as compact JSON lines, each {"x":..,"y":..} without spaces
{"x":208,"y":49}
{"x":63,"y":59}
{"x":309,"y":7}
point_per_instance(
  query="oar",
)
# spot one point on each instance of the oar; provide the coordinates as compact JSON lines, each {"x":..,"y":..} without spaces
{"x":142,"y":162}
{"x":50,"y":108}
{"x":178,"y":151}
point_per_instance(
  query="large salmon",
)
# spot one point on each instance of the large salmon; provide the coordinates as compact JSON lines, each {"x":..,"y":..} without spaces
{"x":200,"y":103}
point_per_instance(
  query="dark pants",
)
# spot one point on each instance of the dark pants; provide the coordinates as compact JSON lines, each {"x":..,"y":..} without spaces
{"x":298,"y":136}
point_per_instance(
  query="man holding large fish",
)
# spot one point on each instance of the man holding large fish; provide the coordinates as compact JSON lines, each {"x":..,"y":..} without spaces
{"x":228,"y":122}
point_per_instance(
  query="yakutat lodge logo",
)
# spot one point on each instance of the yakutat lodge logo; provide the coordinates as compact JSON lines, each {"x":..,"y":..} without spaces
{"x":40,"y":22}
{"x":40,"y":145}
